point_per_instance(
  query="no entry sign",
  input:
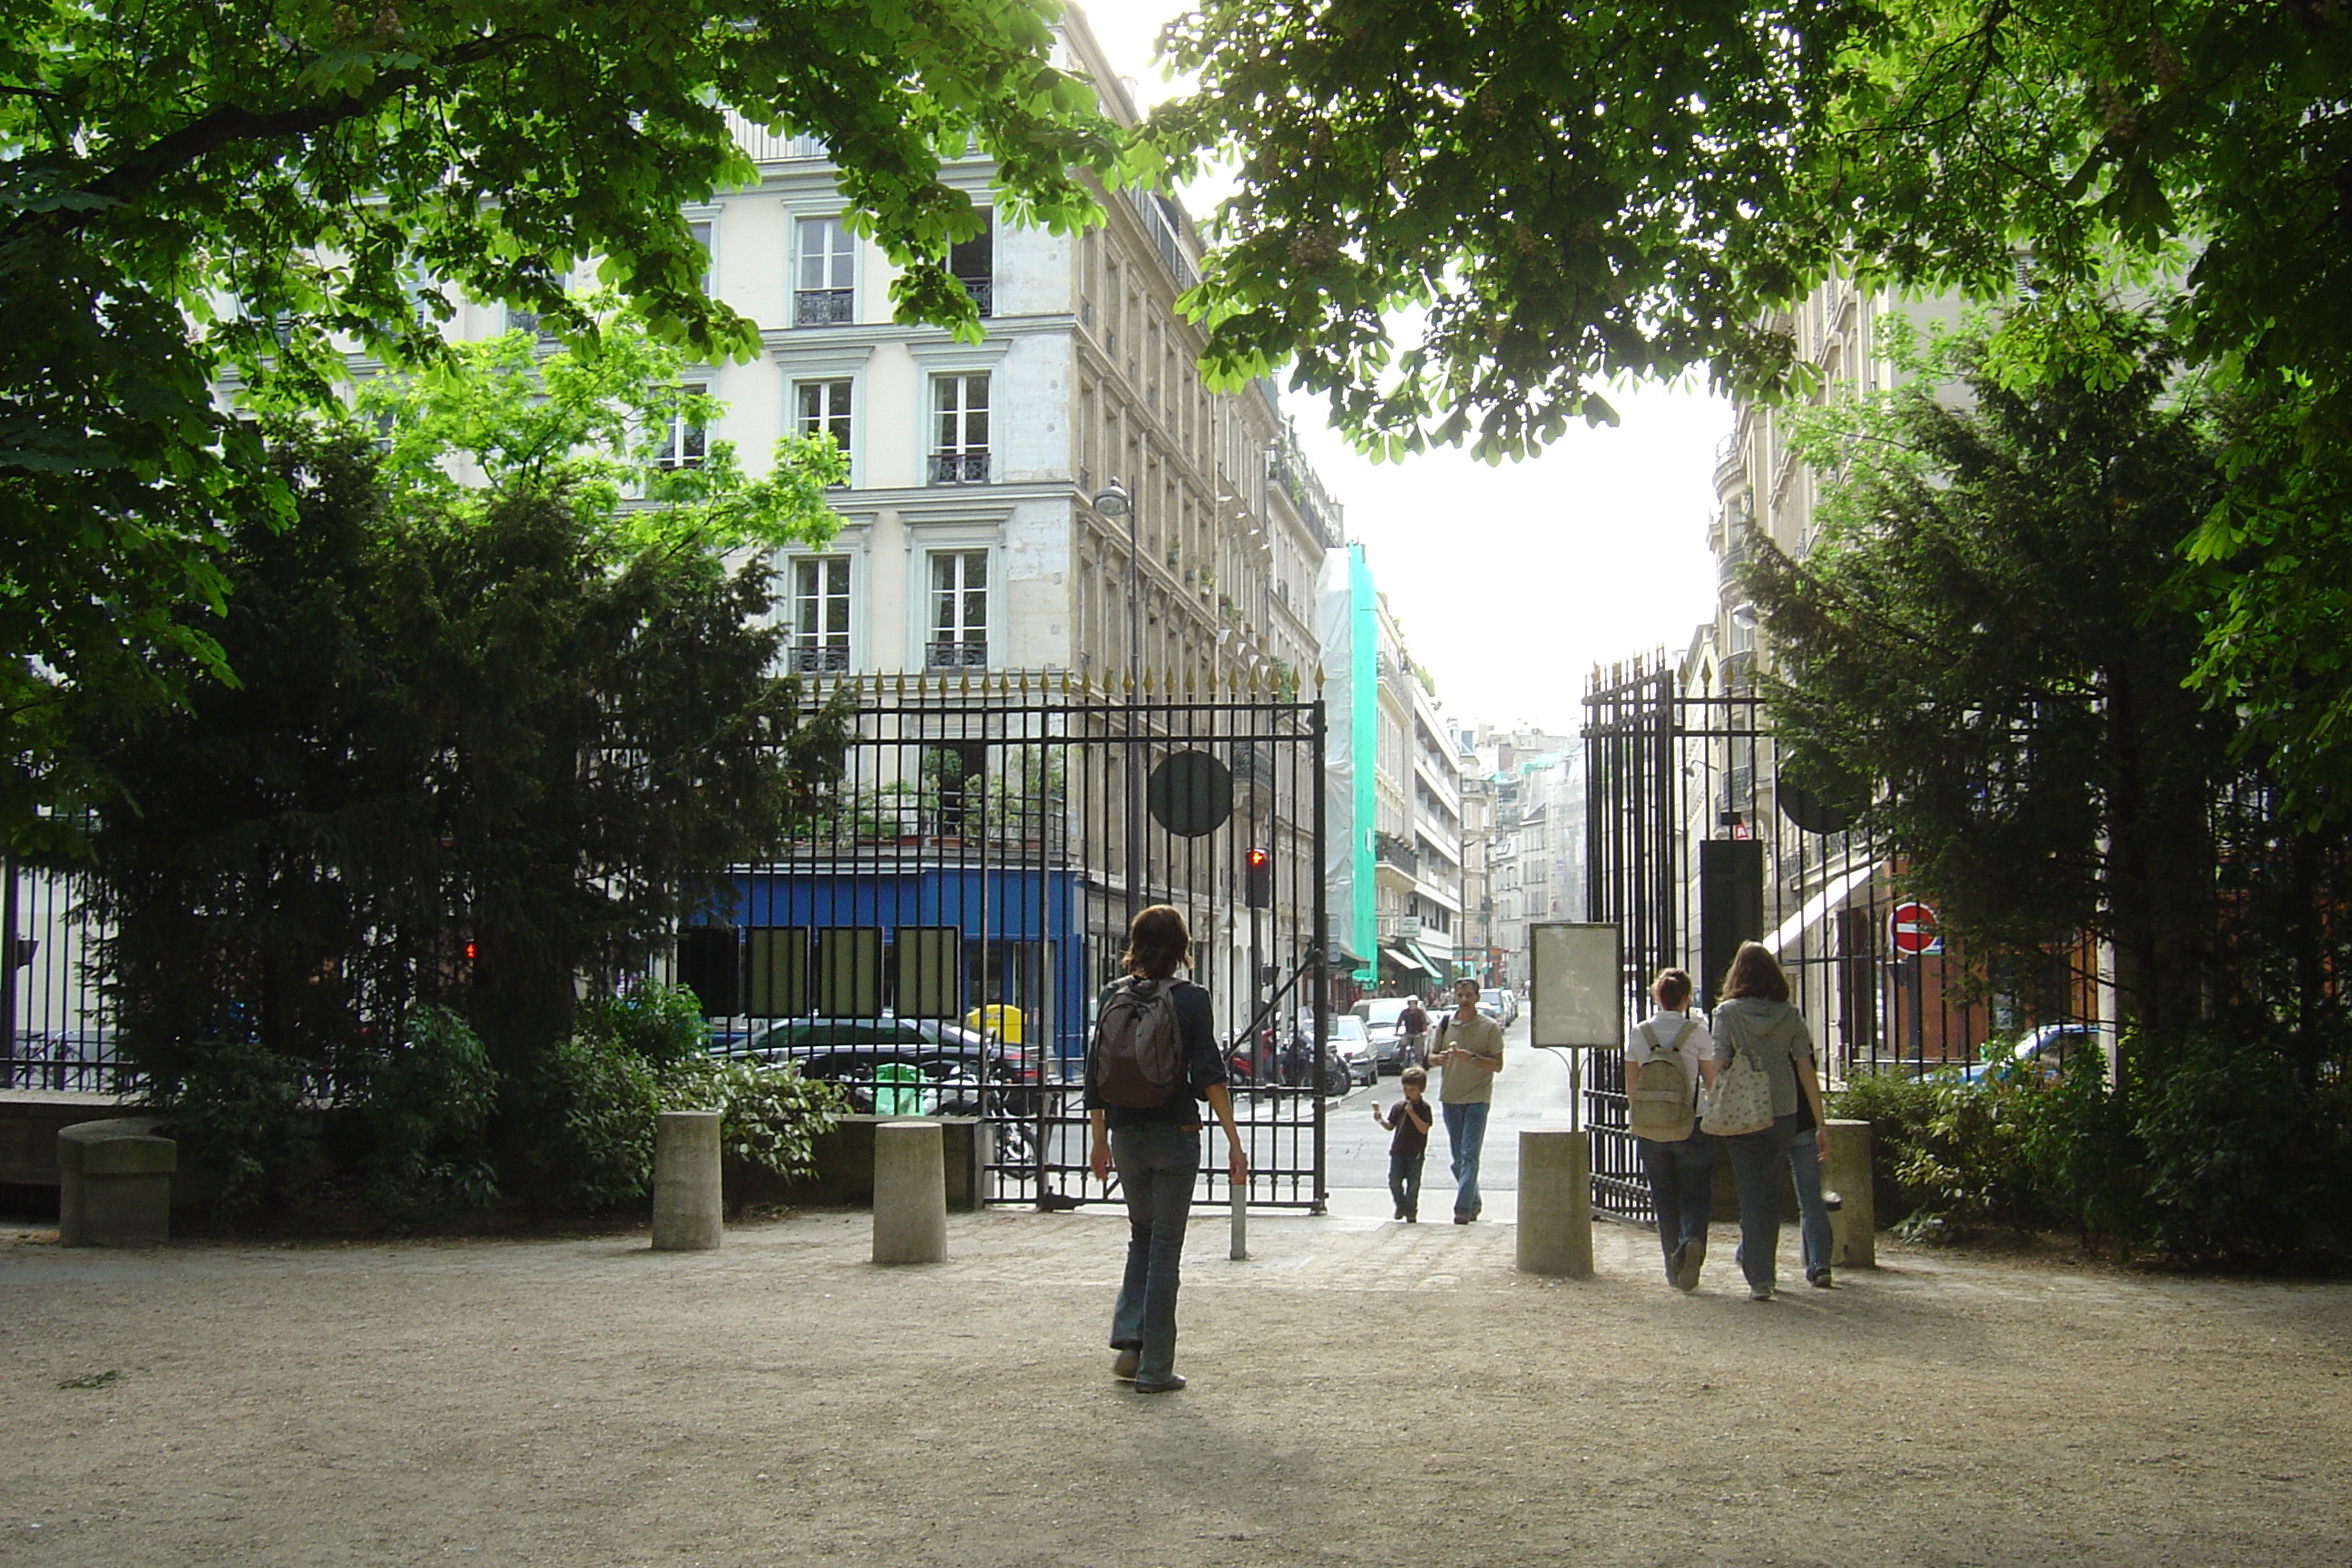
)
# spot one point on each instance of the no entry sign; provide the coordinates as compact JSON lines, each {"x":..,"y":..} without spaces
{"x":1911,"y":930}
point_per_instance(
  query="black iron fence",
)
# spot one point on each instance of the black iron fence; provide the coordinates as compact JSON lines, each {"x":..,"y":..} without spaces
{"x":972,"y":878}
{"x":54,"y":1029}
{"x":1695,"y":841}
{"x":951,"y":911}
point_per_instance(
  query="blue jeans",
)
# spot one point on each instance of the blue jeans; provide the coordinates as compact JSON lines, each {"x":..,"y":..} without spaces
{"x":1404,"y":1180}
{"x":1756,"y":1163}
{"x":1158,"y":1165}
{"x":1813,"y":1221}
{"x":1681,"y":1189}
{"x":1466,"y":1134}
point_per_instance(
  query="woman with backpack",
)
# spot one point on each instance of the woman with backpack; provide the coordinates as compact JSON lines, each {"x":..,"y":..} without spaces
{"x":1663,"y":1056}
{"x":1153,"y":1058}
{"x":1763,"y":1062}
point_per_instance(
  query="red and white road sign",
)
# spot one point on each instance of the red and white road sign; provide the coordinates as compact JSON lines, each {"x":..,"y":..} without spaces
{"x":1911,"y":930}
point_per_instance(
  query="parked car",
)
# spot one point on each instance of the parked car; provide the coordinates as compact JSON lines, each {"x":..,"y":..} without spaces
{"x":1507,"y":1006}
{"x":2044,"y":1050}
{"x":1379,"y":1014}
{"x":1353,"y":1044}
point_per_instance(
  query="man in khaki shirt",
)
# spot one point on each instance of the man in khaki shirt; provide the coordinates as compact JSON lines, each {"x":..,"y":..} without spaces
{"x":1468,"y":1047}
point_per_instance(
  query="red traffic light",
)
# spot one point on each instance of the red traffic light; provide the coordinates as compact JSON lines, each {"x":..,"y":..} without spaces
{"x":1257,"y":858}
{"x":1257,"y":880}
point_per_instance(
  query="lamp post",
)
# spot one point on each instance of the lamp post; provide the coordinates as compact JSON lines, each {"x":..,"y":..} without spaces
{"x":1112,"y":501}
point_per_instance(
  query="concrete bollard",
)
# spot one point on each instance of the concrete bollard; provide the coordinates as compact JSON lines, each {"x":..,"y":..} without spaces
{"x":689,"y":1207}
{"x":1556,"y":1202}
{"x":1239,"y":1251}
{"x":114,"y":1184}
{"x":910,"y":1192}
{"x":1853,"y":1223}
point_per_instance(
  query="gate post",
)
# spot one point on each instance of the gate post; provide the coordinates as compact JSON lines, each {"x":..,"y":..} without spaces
{"x":1854,"y":1239}
{"x":1555,"y":1203}
{"x":689,"y":1210}
{"x":910,"y":1192}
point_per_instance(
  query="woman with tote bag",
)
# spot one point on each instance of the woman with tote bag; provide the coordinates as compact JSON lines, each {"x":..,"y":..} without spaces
{"x":1762,"y":1062}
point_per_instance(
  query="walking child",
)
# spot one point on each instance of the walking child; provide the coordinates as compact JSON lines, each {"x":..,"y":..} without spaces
{"x":1410,"y":1121}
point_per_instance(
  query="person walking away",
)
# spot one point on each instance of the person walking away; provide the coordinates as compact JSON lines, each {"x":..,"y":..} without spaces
{"x":1662,"y":1073}
{"x":1410,"y":1121}
{"x":1755,"y":1020}
{"x":1468,"y":1050}
{"x":1413,"y":1024}
{"x":1157,"y":1147}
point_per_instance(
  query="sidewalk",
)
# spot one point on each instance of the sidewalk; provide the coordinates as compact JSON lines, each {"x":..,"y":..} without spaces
{"x":1363,"y":1393}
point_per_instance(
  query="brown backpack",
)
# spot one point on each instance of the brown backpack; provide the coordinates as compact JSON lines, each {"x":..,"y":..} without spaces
{"x":1138,"y":1046}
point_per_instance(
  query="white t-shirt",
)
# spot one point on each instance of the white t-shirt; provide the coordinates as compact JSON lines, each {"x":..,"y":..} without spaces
{"x":1695,"y":1045}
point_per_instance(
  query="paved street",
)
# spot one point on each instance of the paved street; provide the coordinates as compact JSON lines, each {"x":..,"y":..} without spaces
{"x":1531,"y":1092}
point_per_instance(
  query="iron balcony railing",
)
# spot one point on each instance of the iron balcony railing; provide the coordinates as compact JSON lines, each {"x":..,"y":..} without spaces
{"x":809,"y":659}
{"x":969,"y":653}
{"x":824,"y":307}
{"x":958,"y":468}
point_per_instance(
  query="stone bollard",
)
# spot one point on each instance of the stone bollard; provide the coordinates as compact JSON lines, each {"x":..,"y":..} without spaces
{"x":1556,"y":1202}
{"x":689,"y":1207}
{"x":1854,"y":1232}
{"x":115,"y":1183}
{"x":910,"y":1192}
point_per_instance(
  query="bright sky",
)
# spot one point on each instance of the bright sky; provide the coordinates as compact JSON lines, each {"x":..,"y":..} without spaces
{"x":1512,"y":583}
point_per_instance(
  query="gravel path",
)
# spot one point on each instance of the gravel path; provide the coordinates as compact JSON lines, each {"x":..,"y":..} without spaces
{"x":1363,"y":1393}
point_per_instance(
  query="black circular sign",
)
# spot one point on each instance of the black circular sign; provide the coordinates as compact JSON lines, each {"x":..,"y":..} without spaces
{"x":1811,"y":812}
{"x":1191,"y":793}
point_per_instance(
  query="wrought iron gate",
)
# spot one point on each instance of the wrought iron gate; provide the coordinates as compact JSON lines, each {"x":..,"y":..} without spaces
{"x":1693,"y":843}
{"x":974,"y":876}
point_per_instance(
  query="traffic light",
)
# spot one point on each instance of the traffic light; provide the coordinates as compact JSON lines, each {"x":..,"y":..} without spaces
{"x":1257,"y":885}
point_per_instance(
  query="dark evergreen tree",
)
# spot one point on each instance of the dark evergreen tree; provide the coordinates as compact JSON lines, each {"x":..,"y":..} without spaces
{"x":1992,"y":637}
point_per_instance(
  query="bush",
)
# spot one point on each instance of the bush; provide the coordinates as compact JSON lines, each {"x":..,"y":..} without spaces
{"x":659,"y":1025}
{"x":2238,"y":1155}
{"x":427,"y":1098}
{"x":586,"y":1116}
{"x":1897,"y":1110}
{"x":233,"y":1110}
{"x":770,"y":1116}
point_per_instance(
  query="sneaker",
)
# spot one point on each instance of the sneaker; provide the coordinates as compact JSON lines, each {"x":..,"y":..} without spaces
{"x":1464,"y":1219}
{"x":1167,"y":1385}
{"x":1687,"y":1263}
{"x":1759,"y":1292}
{"x":1412,"y":1219}
{"x":1819,"y":1279}
{"x":1122,"y":1366}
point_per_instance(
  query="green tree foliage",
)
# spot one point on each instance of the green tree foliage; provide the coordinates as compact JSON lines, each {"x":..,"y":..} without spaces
{"x":194,"y":192}
{"x":1573,"y":193}
{"x":1459,"y":220}
{"x":484,"y":740}
{"x":1990,"y":640}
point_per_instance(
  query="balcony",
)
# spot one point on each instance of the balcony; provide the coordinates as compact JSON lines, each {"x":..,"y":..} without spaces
{"x":824,"y":307}
{"x":812,"y":660}
{"x":958,"y":468}
{"x":1391,"y":850}
{"x":970,"y":653}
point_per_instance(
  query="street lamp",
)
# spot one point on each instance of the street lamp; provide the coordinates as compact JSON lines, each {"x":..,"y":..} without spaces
{"x":1112,"y":500}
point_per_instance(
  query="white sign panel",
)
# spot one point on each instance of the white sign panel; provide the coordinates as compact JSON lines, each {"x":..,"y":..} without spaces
{"x":1577,"y":974}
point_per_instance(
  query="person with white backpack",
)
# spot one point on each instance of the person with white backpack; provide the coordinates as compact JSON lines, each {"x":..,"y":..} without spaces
{"x":1763,"y":1062}
{"x":1663,"y":1056}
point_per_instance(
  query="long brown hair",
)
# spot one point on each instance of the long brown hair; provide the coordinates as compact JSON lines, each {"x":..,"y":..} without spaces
{"x":1754,"y":972}
{"x":1157,"y":942}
